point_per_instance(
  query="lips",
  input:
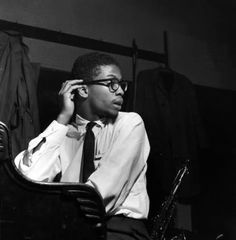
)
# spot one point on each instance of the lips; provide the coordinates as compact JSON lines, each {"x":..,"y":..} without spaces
{"x":118,"y":102}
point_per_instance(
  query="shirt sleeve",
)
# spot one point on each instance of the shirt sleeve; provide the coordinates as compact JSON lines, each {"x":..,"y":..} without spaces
{"x":121,"y":166}
{"x":41,"y":161}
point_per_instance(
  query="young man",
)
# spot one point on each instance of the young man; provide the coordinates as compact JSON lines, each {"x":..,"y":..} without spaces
{"x":121,"y":145}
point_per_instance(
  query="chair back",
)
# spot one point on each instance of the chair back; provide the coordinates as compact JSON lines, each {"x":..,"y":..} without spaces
{"x":45,"y":211}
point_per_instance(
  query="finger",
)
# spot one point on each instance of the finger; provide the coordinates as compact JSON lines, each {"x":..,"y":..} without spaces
{"x":66,"y":85}
{"x":68,"y":89}
{"x":72,"y":96}
{"x":62,"y":87}
{"x":74,"y":81}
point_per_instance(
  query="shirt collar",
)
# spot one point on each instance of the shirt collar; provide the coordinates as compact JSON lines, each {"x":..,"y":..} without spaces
{"x":78,"y":127}
{"x":81,"y":122}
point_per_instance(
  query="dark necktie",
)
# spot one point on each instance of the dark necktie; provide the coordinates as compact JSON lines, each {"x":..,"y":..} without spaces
{"x":88,"y":152}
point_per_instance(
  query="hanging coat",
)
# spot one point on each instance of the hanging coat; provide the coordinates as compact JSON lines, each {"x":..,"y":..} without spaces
{"x":18,"y":91}
{"x":166,"y":101}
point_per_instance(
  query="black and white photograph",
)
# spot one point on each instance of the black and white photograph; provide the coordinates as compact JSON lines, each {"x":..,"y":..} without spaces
{"x":117,"y":120}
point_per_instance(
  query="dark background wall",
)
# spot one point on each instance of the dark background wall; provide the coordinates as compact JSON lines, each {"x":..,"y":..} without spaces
{"x":201,"y":33}
{"x":215,"y":210}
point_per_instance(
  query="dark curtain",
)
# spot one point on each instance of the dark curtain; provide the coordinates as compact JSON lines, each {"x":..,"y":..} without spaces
{"x":18,"y":90}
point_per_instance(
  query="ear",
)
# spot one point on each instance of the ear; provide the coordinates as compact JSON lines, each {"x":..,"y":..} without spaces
{"x":83,"y":91}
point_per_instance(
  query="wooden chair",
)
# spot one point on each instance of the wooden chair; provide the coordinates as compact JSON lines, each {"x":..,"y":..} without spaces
{"x":47,"y":211}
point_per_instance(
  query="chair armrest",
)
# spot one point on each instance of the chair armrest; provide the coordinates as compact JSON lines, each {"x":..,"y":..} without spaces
{"x":87,"y":198}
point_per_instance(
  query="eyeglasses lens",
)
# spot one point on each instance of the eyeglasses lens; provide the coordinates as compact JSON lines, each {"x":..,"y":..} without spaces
{"x":116,"y":84}
{"x":124,"y":86}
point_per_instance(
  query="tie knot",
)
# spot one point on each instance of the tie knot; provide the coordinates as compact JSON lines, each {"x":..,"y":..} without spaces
{"x":90,"y":125}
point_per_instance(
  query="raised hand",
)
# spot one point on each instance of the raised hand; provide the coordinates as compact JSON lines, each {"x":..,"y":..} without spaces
{"x":66,"y":96}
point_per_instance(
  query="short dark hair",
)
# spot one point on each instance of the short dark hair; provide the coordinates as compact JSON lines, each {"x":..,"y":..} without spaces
{"x":87,"y":66}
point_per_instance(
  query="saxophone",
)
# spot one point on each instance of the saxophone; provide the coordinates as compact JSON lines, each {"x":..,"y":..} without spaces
{"x":161,"y":221}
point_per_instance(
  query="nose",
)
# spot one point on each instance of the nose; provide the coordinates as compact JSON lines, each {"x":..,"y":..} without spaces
{"x":120,"y":91}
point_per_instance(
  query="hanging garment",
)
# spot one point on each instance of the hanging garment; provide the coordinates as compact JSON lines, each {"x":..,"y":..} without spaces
{"x":18,"y":90}
{"x":166,"y":101}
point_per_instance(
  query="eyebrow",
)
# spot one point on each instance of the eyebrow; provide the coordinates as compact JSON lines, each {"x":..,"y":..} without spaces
{"x":113,"y":76}
{"x":107,"y":79}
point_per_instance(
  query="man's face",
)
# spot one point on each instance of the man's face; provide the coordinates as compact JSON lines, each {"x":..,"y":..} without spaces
{"x":103,"y":102}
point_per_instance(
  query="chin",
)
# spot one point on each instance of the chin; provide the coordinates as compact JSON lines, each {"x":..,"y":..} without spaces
{"x":111,"y":114}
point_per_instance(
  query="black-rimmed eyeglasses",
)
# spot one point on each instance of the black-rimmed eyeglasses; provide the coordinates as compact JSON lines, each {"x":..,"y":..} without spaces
{"x":113,"y":84}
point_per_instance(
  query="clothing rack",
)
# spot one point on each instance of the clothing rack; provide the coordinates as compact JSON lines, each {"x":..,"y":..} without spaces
{"x":83,"y":42}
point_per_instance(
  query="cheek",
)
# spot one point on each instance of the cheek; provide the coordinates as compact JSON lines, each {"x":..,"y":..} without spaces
{"x":101,"y":100}
{"x":104,"y":102}
{"x":103,"y":97}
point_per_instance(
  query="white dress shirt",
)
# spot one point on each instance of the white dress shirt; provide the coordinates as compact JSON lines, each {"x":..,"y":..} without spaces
{"x":121,"y":152}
